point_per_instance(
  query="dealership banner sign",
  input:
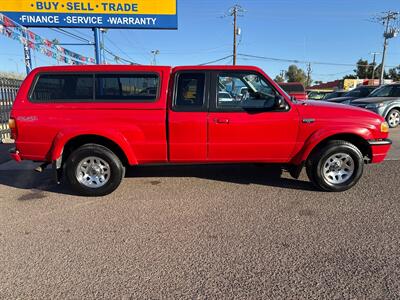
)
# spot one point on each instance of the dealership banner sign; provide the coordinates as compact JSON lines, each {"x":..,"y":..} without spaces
{"x":139,"y":14}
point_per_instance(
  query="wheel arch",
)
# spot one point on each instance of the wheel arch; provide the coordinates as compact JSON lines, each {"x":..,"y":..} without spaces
{"x":388,"y":110}
{"x":360,"y":140}
{"x":64,"y":144}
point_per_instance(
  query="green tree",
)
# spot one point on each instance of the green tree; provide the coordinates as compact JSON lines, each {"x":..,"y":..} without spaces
{"x":394,"y":73}
{"x":296,"y":74}
{"x":364,"y":70}
{"x":279,"y":79}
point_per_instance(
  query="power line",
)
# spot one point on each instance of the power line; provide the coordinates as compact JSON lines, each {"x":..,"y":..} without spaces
{"x":80,"y":33}
{"x":118,"y":58}
{"x":130,"y":60}
{"x":296,"y":61}
{"x":217,"y":60}
{"x":71,"y":35}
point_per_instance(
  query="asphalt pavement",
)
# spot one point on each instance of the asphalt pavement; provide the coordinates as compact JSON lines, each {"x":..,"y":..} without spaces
{"x":201,"y":232}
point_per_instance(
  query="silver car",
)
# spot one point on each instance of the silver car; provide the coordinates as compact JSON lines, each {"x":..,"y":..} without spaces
{"x":385,"y":101}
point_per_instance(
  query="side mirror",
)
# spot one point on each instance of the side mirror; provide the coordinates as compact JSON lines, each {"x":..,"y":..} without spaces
{"x":280,"y":102}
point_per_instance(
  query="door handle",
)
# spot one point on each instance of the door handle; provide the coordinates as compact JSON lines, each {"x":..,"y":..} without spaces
{"x":221,"y":121}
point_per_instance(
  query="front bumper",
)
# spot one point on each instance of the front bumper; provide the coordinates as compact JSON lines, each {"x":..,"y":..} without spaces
{"x":14,"y":153}
{"x":379,"y":149}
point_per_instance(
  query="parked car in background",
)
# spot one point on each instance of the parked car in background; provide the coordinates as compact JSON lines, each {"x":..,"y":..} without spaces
{"x":294,"y":89}
{"x":384,"y":101}
{"x":317,"y":95}
{"x":357,"y":93}
{"x":334,"y":94}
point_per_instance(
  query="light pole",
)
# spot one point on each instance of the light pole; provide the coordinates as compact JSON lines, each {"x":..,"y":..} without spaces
{"x":155,"y":53}
{"x":102,"y":44}
{"x":374,"y":63}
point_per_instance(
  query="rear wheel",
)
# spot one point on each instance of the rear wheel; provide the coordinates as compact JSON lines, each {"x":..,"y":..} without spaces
{"x":393,"y":118}
{"x":335,"y":167}
{"x":94,"y":170}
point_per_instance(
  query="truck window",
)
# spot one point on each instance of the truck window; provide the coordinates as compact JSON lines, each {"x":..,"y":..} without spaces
{"x":190,"y":91}
{"x":241,"y":89}
{"x":63,"y":88}
{"x":126,"y":87}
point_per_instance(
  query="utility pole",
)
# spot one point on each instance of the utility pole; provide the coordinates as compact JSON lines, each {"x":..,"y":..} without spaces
{"x":390,"y":32}
{"x":283,"y":74}
{"x":374,"y":63}
{"x":235,"y":12}
{"x":309,"y":74}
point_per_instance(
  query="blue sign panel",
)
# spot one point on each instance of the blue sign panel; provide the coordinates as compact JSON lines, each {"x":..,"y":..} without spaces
{"x":140,"y":14}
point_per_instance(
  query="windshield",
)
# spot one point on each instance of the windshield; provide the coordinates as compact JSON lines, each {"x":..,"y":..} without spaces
{"x":353,"y":93}
{"x":383,"y":91}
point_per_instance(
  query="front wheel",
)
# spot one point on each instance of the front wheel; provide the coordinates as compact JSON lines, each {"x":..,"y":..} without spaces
{"x":393,"y":118}
{"x":94,"y":170}
{"x":336,"y":167}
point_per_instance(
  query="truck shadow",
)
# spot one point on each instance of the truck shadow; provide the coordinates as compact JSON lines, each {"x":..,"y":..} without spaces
{"x":33,"y":181}
{"x":238,"y":174}
{"x":260,"y":174}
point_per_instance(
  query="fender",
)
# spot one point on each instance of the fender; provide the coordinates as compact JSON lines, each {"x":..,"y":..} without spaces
{"x":390,"y":107}
{"x":323,"y":134}
{"x":66,"y":135}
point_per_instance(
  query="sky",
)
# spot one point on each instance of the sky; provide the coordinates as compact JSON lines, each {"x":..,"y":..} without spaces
{"x":333,"y":31}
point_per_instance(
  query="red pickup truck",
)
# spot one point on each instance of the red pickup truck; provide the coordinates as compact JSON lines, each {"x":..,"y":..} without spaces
{"x":91,"y":122}
{"x":295,"y":90}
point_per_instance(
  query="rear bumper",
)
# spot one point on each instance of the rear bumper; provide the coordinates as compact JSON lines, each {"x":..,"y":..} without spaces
{"x":379,"y":149}
{"x":14,"y":153}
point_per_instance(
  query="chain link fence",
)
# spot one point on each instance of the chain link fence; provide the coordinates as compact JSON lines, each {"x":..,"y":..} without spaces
{"x":8,"y":92}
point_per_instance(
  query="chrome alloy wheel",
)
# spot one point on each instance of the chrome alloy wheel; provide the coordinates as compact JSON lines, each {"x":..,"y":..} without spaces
{"x":394,"y":119}
{"x":93,"y":172}
{"x":338,"y":168}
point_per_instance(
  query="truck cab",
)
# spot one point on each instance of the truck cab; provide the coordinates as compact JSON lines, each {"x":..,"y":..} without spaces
{"x":91,"y":122}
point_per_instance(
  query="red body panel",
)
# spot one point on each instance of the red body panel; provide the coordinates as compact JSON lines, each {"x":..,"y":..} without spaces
{"x":154,"y":133}
{"x":187,"y":136}
{"x":263,"y":137}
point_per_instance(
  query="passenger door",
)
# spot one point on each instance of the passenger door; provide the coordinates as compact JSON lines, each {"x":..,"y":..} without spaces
{"x":187,"y":117}
{"x":248,"y":126}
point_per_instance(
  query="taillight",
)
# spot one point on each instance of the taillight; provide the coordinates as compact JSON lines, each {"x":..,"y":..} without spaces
{"x":12,"y":124}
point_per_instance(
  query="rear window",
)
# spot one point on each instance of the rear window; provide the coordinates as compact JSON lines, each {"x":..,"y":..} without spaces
{"x":105,"y":87}
{"x":126,"y":87}
{"x":57,"y":88}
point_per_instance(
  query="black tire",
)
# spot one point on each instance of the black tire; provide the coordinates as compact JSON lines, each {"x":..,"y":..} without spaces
{"x":319,"y":159}
{"x":392,"y":123}
{"x":116,"y":170}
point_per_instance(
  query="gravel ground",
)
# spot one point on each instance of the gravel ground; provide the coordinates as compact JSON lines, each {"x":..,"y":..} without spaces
{"x":201,"y":232}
